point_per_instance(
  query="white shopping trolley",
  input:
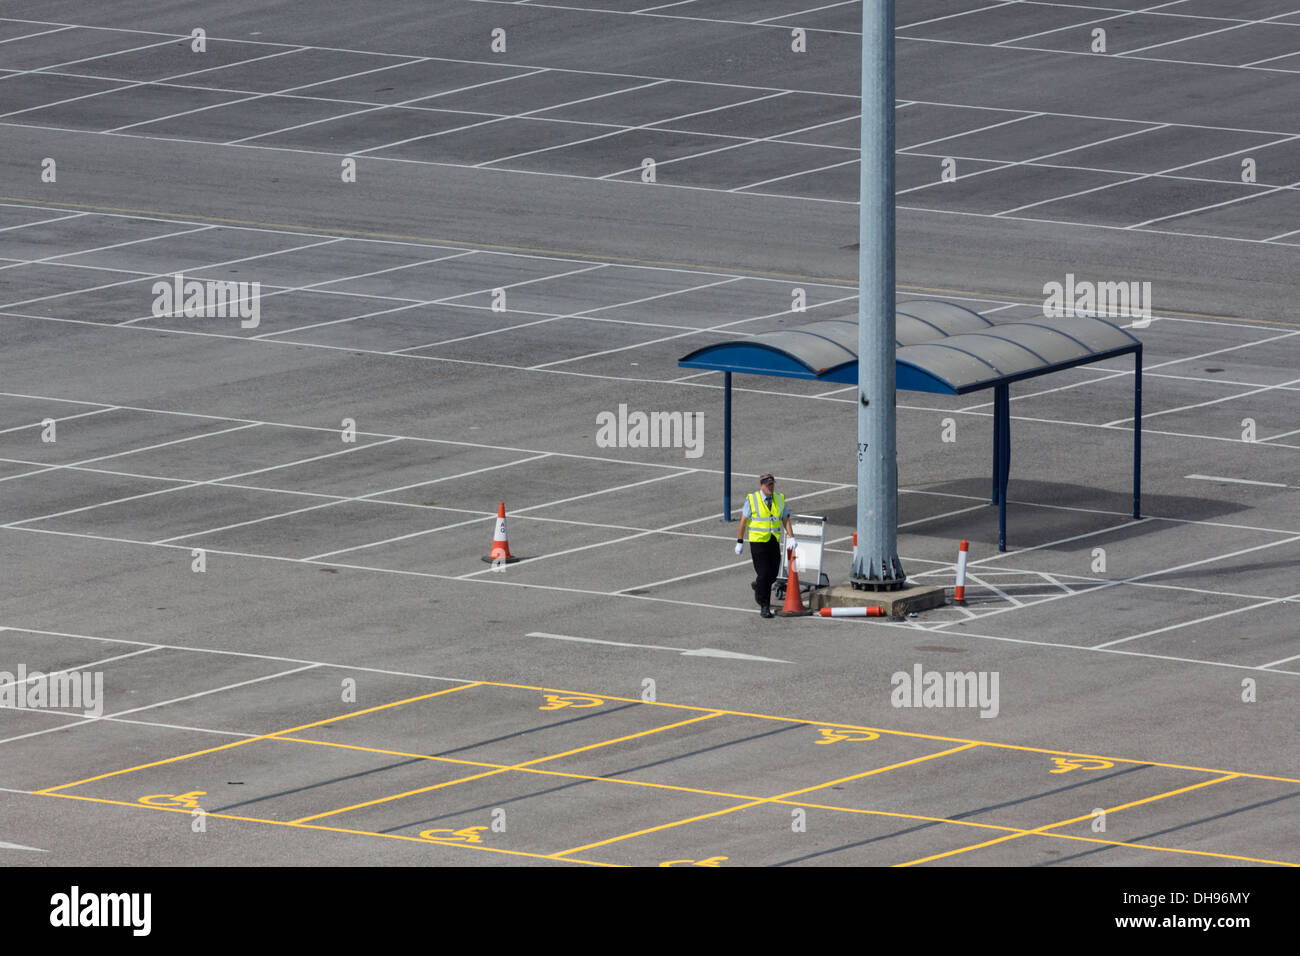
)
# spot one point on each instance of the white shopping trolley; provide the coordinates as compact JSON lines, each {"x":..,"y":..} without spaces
{"x":810,"y":535}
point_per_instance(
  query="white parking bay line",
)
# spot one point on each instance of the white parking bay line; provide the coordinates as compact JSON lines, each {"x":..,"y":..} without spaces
{"x":19,"y":846}
{"x":1202,"y":620}
{"x":215,"y":690}
{"x":699,"y":652}
{"x":117,"y":715}
{"x":1238,"y":481}
{"x":37,"y":675}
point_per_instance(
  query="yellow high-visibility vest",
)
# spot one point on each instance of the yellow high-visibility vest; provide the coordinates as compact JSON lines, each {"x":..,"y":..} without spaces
{"x":764,"y":524}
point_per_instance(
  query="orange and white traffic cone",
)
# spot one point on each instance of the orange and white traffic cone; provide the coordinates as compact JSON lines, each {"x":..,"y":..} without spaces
{"x":852,"y":612}
{"x":959,"y":591}
{"x":793,"y":599}
{"x":500,"y":545}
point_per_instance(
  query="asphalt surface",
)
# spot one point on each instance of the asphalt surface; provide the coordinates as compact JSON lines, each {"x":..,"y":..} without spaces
{"x":266,"y":537}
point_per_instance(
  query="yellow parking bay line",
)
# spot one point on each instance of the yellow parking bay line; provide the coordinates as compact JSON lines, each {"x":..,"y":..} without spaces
{"x":753,"y":803}
{"x":304,"y":826}
{"x":521,"y":769}
{"x":898,"y":733}
{"x":729,"y":795}
{"x":519,"y":766}
{"x":752,"y":800}
{"x":1061,"y":823}
{"x":252,"y":740}
{"x":708,"y":713}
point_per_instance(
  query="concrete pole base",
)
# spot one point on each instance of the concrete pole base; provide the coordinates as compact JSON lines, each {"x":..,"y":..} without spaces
{"x":896,"y":603}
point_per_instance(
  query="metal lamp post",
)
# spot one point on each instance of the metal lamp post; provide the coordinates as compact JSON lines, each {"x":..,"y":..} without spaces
{"x":877,"y":566}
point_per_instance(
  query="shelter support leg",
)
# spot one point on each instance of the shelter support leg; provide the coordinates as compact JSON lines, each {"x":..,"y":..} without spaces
{"x":1137,"y":433}
{"x":726,"y":446}
{"x":997,"y":449}
{"x":1002,"y":403}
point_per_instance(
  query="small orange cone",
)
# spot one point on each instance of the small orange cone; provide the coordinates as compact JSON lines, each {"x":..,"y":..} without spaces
{"x":793,"y":600}
{"x":500,"y":545}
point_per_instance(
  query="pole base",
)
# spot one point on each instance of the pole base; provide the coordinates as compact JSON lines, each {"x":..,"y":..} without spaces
{"x":883,"y":573}
{"x":875,"y":584}
{"x":905,"y":601}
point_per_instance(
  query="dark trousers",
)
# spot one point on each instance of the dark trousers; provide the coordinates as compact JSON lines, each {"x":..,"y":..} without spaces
{"x":767,"y":565}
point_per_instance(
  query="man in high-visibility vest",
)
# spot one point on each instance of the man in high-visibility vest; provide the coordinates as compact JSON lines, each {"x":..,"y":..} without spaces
{"x":764,"y":514}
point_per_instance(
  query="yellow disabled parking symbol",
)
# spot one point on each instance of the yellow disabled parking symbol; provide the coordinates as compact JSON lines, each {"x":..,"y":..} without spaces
{"x":1066,"y":764}
{"x":830,"y":735}
{"x":711,"y":861}
{"x":467,"y":835}
{"x":557,"y":701}
{"x":189,"y":801}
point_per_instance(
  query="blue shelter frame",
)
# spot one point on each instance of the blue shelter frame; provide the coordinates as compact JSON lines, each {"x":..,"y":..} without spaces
{"x":942,"y":348}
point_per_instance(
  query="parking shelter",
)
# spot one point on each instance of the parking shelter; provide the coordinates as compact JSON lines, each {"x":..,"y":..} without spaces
{"x":942,"y":348}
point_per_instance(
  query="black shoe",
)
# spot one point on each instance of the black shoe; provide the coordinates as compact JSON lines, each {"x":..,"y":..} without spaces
{"x":767,"y":611}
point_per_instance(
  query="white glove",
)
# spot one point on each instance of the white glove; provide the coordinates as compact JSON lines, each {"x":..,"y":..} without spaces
{"x":740,"y":548}
{"x":792,"y":544}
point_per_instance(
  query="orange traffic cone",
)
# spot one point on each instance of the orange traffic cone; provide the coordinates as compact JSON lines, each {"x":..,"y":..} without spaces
{"x":793,"y":600}
{"x":500,"y":545}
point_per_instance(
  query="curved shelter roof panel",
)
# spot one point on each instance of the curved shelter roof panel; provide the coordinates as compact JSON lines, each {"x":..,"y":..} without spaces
{"x":923,"y":320}
{"x":942,"y":347}
{"x":808,"y":351}
{"x":1007,"y":353}
{"x":828,"y":350}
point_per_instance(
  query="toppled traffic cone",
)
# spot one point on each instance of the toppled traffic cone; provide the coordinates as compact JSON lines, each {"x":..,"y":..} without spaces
{"x":793,"y":599}
{"x":874,"y":611}
{"x":500,"y":545}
